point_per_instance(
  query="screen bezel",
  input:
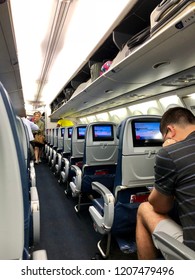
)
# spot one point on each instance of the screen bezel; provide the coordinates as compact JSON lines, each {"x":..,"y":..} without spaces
{"x":70,"y":134}
{"x":145,"y":142}
{"x":102,"y":138}
{"x":62,"y":131}
{"x":78,"y":135}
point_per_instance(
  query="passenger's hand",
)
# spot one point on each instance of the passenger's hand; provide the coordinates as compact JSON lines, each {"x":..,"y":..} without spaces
{"x":169,"y":142}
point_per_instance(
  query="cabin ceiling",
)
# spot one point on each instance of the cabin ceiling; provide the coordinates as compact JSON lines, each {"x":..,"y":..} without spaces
{"x":56,"y":38}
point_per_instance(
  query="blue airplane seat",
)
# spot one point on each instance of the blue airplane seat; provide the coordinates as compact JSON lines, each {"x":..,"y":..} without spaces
{"x":15,"y":203}
{"x":50,"y":147}
{"x":14,"y":198}
{"x":48,"y":142}
{"x":64,"y":149}
{"x":114,"y":214}
{"x":53,"y":149}
{"x":99,"y":161}
{"x":76,"y":139}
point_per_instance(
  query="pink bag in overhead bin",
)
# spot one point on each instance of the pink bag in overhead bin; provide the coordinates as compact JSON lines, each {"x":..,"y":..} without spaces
{"x":105,"y":66}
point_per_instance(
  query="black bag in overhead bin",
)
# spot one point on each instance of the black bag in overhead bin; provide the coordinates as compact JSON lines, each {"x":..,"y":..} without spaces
{"x":165,"y":11}
{"x":138,"y":38}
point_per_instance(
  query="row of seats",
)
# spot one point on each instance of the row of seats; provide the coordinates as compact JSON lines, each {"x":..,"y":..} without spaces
{"x":113,"y":166}
{"x":84,"y":158}
{"x":19,"y":202}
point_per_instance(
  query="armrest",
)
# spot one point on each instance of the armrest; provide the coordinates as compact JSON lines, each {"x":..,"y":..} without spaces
{"x":171,"y":248}
{"x":35,"y":214}
{"x":32,"y":164}
{"x":34,"y":194}
{"x":33,"y":177}
{"x":58,"y":164}
{"x":65,"y":171}
{"x":39,"y":255}
{"x":103,"y":191}
{"x":75,"y":184}
{"x":103,"y":223}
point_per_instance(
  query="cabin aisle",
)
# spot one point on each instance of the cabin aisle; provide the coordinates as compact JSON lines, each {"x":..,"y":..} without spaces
{"x":65,"y":234}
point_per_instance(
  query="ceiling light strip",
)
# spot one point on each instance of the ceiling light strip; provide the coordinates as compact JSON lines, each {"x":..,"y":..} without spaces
{"x":55,"y":33}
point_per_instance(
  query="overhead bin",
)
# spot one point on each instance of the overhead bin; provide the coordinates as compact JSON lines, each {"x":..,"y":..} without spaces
{"x":168,"y":54}
{"x":137,"y":19}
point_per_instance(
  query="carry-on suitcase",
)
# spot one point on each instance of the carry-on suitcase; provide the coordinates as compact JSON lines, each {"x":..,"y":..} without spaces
{"x":165,"y":11}
{"x":95,"y":70}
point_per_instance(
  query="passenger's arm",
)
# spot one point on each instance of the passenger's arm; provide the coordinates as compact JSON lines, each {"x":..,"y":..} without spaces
{"x":161,"y":203}
{"x":33,"y":126}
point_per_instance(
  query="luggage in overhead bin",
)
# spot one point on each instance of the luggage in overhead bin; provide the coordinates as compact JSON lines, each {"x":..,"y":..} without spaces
{"x":68,"y":93}
{"x":105,"y":66}
{"x":95,"y":70}
{"x":138,"y":38}
{"x":165,"y":11}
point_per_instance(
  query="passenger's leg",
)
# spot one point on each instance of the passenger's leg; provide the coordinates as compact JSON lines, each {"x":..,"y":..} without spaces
{"x":147,"y":220}
{"x":40,"y":153}
{"x":36,"y":154}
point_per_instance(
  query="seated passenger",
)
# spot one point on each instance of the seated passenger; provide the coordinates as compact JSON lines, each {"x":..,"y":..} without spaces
{"x":174,"y":182}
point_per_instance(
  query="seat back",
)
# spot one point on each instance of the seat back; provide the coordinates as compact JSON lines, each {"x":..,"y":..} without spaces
{"x":24,"y":139}
{"x":67,"y":139}
{"x":139,"y":141}
{"x":48,"y":135}
{"x":52,"y":137}
{"x":77,"y":141}
{"x":14,"y":204}
{"x":55,"y":136}
{"x":100,"y":156}
{"x":60,"y":144}
{"x":101,"y":144}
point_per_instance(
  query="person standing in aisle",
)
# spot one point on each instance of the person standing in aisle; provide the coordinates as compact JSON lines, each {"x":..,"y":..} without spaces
{"x":38,"y":147}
